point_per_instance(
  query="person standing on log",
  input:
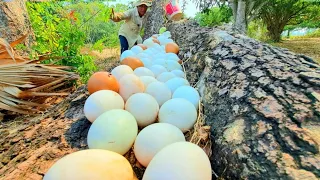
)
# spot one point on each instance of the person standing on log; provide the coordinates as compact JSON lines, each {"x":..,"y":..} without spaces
{"x":129,"y":32}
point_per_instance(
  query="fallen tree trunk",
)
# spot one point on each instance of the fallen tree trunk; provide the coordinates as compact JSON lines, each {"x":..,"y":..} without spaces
{"x":262,"y":103}
{"x":155,"y":19}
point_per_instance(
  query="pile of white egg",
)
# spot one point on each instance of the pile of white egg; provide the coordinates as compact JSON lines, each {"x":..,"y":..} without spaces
{"x":148,"y":108}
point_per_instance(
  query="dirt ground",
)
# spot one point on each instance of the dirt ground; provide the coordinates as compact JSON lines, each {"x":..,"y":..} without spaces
{"x":29,"y":146}
{"x":307,"y":46}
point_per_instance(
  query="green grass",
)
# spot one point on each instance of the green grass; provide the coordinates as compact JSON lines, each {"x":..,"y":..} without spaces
{"x":307,"y":45}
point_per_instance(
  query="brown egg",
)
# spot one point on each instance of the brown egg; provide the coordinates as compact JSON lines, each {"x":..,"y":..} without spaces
{"x":156,"y":40}
{"x":132,"y":62}
{"x":144,"y":47}
{"x":172,"y":47}
{"x":180,"y":61}
{"x":102,"y":81}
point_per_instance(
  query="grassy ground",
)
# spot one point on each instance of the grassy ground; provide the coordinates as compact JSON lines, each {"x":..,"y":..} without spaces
{"x":103,"y":59}
{"x":307,"y":46}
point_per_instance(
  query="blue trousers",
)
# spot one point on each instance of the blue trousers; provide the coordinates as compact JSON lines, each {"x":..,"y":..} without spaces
{"x":124,"y":43}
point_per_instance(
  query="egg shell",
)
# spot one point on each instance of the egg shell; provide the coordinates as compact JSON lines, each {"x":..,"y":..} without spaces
{"x":102,"y":81}
{"x":159,"y":91}
{"x":114,"y":130}
{"x":88,"y":164}
{"x":129,"y":85}
{"x":176,"y":82}
{"x":178,"y":73}
{"x":161,"y":55}
{"x":143,"y":107}
{"x":171,"y":65}
{"x":159,"y":61}
{"x":146,"y":62}
{"x":149,"y":52}
{"x":133,"y":62}
{"x":142,"y":55}
{"x":159,"y":135}
{"x":179,"y":161}
{"x":100,"y":102}
{"x":172,"y":56}
{"x":178,"y":112}
{"x":158,"y":69}
{"x":148,"y":42}
{"x":189,"y":93}
{"x":126,"y":53}
{"x":146,"y":80}
{"x":142,"y":46}
{"x":136,"y":49}
{"x":143,"y":71}
{"x":120,"y":71}
{"x":165,"y":76}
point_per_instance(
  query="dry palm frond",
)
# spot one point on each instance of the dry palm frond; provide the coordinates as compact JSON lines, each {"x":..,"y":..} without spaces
{"x":6,"y":50}
{"x":22,"y":79}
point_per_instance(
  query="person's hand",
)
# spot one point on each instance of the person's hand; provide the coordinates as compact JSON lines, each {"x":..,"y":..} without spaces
{"x":115,"y":17}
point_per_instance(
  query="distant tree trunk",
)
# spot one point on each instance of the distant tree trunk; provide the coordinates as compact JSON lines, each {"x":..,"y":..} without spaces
{"x":14,"y":21}
{"x":241,"y":23}
{"x":155,"y":19}
{"x":233,"y":6}
{"x":275,"y":32}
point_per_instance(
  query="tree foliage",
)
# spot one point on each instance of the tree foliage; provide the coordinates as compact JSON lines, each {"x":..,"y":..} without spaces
{"x":214,"y":16}
{"x":95,"y":24}
{"x":57,"y":34}
{"x":310,"y":18}
{"x":279,"y":13}
{"x":61,"y":29}
{"x":244,"y":11}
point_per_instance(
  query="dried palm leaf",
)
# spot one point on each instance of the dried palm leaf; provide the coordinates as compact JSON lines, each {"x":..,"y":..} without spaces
{"x":12,"y":99}
{"x":16,"y":42}
{"x":14,"y":109}
{"x":7,"y":48}
{"x":23,"y":80}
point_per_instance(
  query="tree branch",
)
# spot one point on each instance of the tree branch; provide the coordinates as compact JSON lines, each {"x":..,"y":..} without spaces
{"x":256,"y":11}
{"x":298,"y":11}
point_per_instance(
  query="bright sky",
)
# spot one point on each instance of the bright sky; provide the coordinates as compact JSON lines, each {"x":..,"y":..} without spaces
{"x":190,"y":10}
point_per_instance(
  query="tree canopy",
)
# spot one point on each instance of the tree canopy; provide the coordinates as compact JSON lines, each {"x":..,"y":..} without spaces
{"x":279,"y":13}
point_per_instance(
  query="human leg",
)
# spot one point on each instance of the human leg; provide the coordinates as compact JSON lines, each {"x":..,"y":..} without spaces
{"x":124,"y":43}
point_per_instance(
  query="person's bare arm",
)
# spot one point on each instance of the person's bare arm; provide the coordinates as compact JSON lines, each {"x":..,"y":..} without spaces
{"x":116,"y":17}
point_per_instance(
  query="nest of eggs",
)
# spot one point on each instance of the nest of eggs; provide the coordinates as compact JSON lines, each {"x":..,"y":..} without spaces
{"x":199,"y":135}
{"x":122,"y":88}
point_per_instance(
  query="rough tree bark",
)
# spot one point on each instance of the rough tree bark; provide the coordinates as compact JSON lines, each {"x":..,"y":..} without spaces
{"x":233,"y":5}
{"x":241,"y":22}
{"x":262,"y":103}
{"x":155,"y":20}
{"x":14,"y":21}
{"x":239,"y":11}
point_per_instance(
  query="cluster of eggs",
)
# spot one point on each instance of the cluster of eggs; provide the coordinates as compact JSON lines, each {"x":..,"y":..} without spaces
{"x":148,"y":91}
